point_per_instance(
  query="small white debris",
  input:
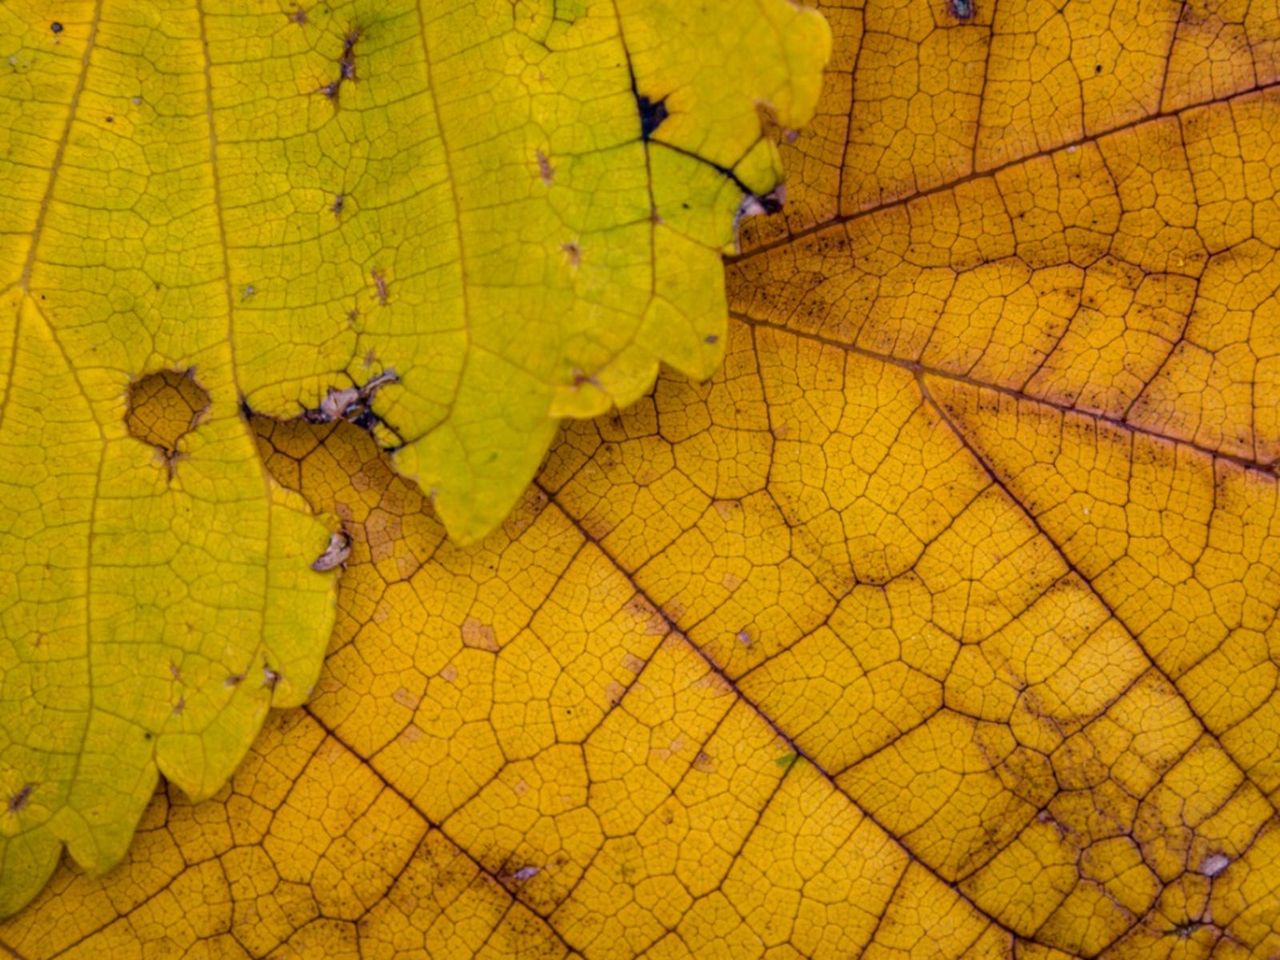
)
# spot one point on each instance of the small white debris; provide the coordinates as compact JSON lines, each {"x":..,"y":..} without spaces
{"x":349,"y":403}
{"x":336,"y":403}
{"x":525,"y":873}
{"x":1214,"y":864}
{"x":758,"y":205}
{"x":335,"y":554}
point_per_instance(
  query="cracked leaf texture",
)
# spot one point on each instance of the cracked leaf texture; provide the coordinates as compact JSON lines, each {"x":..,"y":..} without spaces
{"x":211,"y":208}
{"x":939,"y":623}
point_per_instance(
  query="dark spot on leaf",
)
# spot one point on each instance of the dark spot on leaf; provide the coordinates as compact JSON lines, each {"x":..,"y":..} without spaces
{"x":545,"y":170}
{"x":651,"y":114}
{"x":346,"y":65}
{"x":56,"y":27}
{"x":711,"y":338}
{"x":234,"y":680}
{"x":767,"y":204}
{"x":771,"y":203}
{"x":1097,"y":68}
{"x":961,"y":9}
{"x":339,"y":201}
{"x":19,"y":799}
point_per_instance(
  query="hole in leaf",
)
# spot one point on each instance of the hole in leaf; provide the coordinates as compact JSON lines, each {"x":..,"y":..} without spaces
{"x":164,"y":407}
{"x":652,"y":113}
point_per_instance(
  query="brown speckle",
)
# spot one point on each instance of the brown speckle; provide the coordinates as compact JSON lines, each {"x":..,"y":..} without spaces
{"x":346,"y":66}
{"x":380,"y":284}
{"x":545,"y":169}
{"x":572,"y":252}
{"x":270,"y":678}
{"x":56,"y":27}
{"x":479,"y":635}
{"x":19,"y":799}
{"x":339,"y":201}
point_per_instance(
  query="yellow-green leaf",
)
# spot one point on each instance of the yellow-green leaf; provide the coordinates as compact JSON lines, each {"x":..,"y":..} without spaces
{"x":452,"y":222}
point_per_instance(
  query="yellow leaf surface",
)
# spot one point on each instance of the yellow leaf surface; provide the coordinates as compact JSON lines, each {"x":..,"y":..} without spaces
{"x":451,"y":222}
{"x":940,"y":623}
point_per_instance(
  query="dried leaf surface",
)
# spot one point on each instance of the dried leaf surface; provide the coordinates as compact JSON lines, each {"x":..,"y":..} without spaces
{"x":940,"y":623}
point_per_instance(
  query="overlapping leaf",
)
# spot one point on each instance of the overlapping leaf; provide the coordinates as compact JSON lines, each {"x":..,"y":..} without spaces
{"x":450,"y":222}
